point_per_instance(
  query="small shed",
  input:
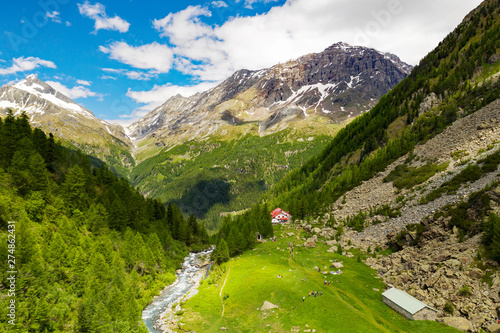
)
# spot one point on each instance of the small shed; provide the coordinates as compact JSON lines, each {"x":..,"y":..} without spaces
{"x":407,"y":305}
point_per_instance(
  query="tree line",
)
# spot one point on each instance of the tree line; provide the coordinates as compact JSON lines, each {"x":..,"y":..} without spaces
{"x":239,"y":233}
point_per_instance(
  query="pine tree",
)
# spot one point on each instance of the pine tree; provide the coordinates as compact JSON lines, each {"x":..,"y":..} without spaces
{"x":19,"y":173}
{"x":97,"y":218}
{"x":39,"y":176}
{"x":222,"y":252}
{"x":25,"y":238}
{"x":154,"y":245}
{"x":193,"y":226}
{"x":9,"y":140}
{"x":140,"y":253}
{"x":117,"y":215}
{"x":73,"y":189}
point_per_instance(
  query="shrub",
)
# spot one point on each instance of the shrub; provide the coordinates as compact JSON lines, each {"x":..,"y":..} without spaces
{"x":464,"y":291}
{"x":406,"y":177}
{"x":448,"y":307}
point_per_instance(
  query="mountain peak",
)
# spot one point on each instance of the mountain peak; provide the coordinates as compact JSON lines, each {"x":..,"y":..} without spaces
{"x":338,"y":83}
{"x":33,"y":85}
{"x":342,"y":45}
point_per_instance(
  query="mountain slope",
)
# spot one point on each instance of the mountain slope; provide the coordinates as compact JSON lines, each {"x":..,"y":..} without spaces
{"x":54,"y":112}
{"x":341,"y":82}
{"x":415,"y":183}
{"x":459,"y":77}
{"x":219,"y":151}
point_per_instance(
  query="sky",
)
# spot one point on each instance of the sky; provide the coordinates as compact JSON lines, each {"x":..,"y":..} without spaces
{"x":122,"y":58}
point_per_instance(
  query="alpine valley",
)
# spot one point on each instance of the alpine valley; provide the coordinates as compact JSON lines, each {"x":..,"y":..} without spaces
{"x":382,"y":180}
{"x":220,"y":150}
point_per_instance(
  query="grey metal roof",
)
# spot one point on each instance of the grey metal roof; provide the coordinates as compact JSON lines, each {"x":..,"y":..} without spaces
{"x":405,"y":301}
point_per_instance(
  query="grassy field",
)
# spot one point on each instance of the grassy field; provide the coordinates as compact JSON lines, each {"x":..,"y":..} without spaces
{"x":350,"y":303}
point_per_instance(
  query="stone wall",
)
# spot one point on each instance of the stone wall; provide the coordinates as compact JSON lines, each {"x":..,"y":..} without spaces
{"x":425,"y":314}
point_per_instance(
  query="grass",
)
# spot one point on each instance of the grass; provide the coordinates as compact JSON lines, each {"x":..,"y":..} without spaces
{"x":349,"y":304}
{"x":404,"y":176}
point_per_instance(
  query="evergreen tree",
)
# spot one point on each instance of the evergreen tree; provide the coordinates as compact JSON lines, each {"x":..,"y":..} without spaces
{"x":97,"y":218}
{"x":19,"y":173}
{"x":39,"y":176}
{"x":73,"y":189}
{"x":117,"y":215}
{"x":222,"y":252}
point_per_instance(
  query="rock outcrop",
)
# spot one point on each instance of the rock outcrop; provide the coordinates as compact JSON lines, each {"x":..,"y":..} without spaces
{"x":268,"y":306}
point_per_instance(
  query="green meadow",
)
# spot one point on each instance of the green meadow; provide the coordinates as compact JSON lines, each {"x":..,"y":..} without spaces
{"x":352,"y":302}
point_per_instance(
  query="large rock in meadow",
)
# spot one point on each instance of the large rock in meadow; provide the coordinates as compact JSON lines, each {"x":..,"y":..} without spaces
{"x":268,"y":306}
{"x":458,"y":322}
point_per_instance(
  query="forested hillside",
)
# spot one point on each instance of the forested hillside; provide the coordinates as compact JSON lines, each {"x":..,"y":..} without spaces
{"x":207,"y":177}
{"x":88,"y":250}
{"x":454,"y":80}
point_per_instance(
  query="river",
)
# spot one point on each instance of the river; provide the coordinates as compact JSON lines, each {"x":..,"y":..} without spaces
{"x":186,"y":279}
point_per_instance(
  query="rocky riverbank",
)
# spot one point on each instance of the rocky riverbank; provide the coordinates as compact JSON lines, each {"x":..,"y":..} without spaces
{"x":158,"y":316}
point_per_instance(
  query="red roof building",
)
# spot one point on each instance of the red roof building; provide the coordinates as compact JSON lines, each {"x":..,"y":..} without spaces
{"x":280,"y":216}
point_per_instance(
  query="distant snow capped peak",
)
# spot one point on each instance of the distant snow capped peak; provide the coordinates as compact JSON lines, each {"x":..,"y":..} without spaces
{"x":33,"y":85}
{"x":342,"y":45}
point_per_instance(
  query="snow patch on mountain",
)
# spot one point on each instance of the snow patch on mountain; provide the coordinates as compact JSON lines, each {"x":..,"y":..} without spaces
{"x":33,"y":87}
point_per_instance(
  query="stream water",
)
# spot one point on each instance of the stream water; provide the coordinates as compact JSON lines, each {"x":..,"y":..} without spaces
{"x":172,"y":293}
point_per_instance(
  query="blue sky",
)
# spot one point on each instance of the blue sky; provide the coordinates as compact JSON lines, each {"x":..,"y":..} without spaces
{"x":122,"y":58}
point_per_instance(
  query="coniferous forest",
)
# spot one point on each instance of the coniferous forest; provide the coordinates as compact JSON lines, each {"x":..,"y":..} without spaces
{"x":88,"y":250}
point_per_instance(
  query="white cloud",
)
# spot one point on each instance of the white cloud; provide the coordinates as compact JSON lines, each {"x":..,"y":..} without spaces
{"x":75,"y":92}
{"x":84,"y":82}
{"x":53,"y":16}
{"x":159,"y":94}
{"x":249,"y":3}
{"x":107,"y":77}
{"x":23,"y":64}
{"x":97,"y":13}
{"x":68,"y":23}
{"x":134,"y":75}
{"x":408,"y":29}
{"x":149,"y":56}
{"x":219,"y":4}
{"x":184,"y":26}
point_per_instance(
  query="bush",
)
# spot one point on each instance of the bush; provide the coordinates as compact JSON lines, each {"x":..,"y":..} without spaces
{"x":464,"y":291}
{"x":387,"y":210}
{"x":357,"y":222}
{"x":448,"y":307}
{"x":406,"y":177}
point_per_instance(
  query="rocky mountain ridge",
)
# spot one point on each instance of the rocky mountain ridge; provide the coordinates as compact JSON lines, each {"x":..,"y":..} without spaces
{"x":339,"y":83}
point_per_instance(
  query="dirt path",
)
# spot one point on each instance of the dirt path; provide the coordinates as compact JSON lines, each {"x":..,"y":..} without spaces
{"x":220,"y":294}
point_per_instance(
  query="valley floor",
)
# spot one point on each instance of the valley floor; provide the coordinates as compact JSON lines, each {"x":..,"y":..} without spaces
{"x":352,"y":302}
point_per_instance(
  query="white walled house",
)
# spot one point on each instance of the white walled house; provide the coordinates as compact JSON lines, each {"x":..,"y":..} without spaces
{"x":280,"y":216}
